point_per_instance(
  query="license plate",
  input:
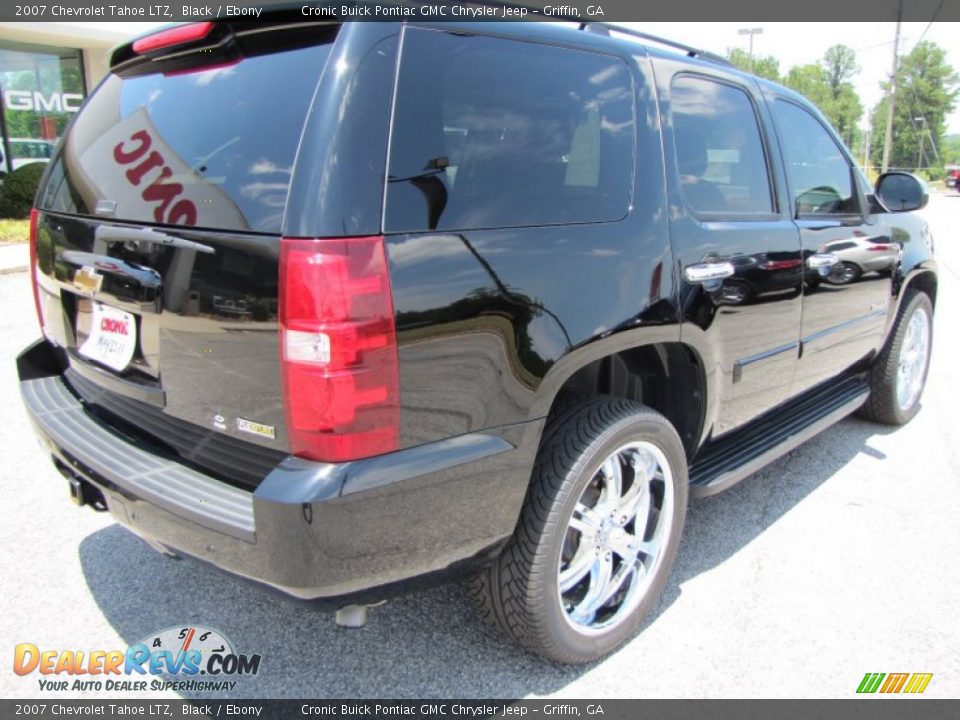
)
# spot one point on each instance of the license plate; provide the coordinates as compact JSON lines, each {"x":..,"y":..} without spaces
{"x":112,"y":338}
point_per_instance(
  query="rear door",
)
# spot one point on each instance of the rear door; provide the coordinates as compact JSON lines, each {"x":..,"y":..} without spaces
{"x":514,"y":229}
{"x":845,"y":311}
{"x":159,"y":237}
{"x":737,"y":250}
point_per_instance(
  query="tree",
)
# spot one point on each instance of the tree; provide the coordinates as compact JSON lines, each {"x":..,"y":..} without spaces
{"x":950,"y":149}
{"x":844,"y":108}
{"x":840,"y":64}
{"x":811,"y":82}
{"x":927,"y":90}
{"x":765,"y":66}
{"x":829,"y":85}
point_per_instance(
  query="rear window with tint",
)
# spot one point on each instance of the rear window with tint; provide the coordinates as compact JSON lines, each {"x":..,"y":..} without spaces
{"x":207,"y":148}
{"x":497,"y":133}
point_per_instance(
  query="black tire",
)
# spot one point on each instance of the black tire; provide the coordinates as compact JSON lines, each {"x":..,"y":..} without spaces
{"x":883,"y":406}
{"x":845,"y":273}
{"x":519,"y":591}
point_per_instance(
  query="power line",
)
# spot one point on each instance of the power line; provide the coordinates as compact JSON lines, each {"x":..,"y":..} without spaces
{"x":913,"y":90}
{"x":872,"y":47}
{"x":891,"y":102}
{"x":929,"y":24}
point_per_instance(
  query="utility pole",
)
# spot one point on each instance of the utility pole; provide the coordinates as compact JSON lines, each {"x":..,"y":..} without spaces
{"x":866,"y":149}
{"x":888,"y":139}
{"x":751,"y":32}
{"x":923,"y":129}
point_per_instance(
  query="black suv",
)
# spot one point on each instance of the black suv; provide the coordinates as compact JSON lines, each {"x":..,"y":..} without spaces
{"x":347,"y":307}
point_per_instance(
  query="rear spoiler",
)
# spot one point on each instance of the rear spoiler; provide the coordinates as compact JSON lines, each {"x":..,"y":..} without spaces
{"x":217,"y":37}
{"x":190,"y":46}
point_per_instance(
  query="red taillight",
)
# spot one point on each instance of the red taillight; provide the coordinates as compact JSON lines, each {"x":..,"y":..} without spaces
{"x":34,"y":269}
{"x":174,"y":36}
{"x":338,"y":348}
{"x":881,"y":248}
{"x":780,"y":264}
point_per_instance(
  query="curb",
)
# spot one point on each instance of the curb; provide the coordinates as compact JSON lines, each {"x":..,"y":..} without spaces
{"x":13,"y":256}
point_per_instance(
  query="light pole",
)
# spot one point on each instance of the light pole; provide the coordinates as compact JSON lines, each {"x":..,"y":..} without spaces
{"x":923,"y":129}
{"x":751,"y":32}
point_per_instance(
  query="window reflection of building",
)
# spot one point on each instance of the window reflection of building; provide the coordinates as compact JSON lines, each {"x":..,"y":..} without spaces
{"x":41,"y":88}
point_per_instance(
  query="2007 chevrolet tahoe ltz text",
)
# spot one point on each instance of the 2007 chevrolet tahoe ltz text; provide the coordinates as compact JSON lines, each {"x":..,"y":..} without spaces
{"x":347,"y":308}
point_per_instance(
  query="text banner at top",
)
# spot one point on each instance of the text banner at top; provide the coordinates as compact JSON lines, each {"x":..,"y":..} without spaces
{"x":609,"y":11}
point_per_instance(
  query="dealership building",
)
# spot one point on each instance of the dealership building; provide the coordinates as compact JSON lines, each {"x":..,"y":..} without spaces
{"x":46,"y":69}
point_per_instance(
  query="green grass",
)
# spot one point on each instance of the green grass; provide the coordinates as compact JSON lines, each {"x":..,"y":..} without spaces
{"x":14,"y":231}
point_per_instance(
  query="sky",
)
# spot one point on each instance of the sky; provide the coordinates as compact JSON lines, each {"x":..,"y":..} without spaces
{"x":791,"y":43}
{"x":802,"y":43}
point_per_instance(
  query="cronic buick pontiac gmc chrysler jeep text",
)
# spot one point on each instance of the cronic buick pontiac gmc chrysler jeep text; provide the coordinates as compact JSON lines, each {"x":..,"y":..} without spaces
{"x":339,"y":307}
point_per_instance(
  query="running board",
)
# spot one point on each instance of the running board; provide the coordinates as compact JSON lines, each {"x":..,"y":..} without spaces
{"x":731,"y":458}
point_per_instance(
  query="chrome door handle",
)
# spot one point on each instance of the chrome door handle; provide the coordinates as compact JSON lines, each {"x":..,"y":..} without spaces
{"x":708,"y":272}
{"x":822,"y":260}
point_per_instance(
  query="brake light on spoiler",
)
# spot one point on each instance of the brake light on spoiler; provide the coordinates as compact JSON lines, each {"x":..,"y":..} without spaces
{"x":338,"y":348}
{"x":179,"y":35}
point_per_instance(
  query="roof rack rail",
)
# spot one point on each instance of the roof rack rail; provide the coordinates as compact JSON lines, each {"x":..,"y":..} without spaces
{"x":605,"y":29}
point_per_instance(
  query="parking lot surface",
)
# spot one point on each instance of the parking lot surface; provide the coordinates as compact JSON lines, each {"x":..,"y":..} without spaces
{"x":838,"y":560}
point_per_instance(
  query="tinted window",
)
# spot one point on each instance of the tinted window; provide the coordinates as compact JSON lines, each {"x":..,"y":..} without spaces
{"x":496,"y":133}
{"x":836,"y":247}
{"x":720,"y":154}
{"x":207,"y":148}
{"x":818,"y":172}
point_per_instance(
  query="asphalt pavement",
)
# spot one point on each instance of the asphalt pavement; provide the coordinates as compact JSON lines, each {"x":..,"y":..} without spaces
{"x":840,"y":559}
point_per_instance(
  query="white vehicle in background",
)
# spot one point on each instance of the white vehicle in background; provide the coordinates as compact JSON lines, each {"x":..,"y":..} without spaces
{"x":24,"y":151}
{"x":857,"y":256}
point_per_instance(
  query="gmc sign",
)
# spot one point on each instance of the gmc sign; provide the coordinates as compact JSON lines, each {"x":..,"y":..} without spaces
{"x":36,"y":101}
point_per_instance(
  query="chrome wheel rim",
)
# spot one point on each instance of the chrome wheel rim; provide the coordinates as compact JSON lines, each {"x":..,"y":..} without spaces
{"x":615,"y":538}
{"x":912,"y":363}
{"x":844,"y":273}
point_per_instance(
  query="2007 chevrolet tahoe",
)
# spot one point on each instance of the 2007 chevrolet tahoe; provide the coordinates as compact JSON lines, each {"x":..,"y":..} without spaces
{"x":340,"y":307}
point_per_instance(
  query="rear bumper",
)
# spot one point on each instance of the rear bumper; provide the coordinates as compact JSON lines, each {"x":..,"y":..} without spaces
{"x":313,"y":530}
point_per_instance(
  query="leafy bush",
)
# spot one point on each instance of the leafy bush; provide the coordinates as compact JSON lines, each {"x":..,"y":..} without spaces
{"x":19,"y":189}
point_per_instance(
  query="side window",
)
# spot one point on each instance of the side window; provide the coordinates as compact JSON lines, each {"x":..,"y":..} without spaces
{"x":496,"y":133}
{"x":819,"y":174}
{"x":720,"y":157}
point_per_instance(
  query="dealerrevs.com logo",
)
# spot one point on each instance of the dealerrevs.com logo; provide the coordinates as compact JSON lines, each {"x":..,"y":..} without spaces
{"x":894,"y":683}
{"x":182,"y":659}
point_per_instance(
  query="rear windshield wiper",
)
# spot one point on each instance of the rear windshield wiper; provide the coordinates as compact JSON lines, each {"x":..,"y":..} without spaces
{"x":137,"y":235}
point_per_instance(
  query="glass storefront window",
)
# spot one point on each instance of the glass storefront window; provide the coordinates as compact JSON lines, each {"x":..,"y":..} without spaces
{"x":42,"y":87}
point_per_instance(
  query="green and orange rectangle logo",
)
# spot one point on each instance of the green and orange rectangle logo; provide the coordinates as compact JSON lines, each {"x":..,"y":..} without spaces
{"x":912,"y":683}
